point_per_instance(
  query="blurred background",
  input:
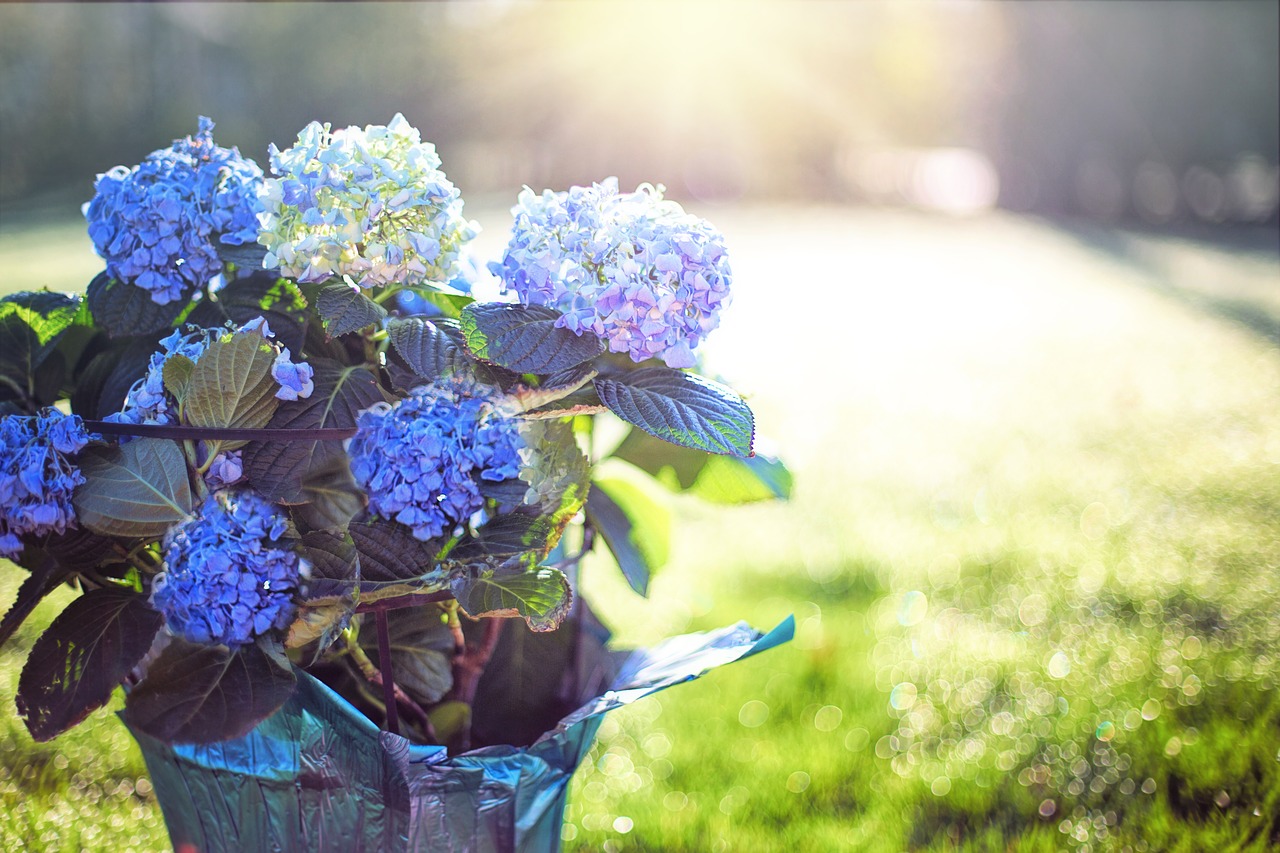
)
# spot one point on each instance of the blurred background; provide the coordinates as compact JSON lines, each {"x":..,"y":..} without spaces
{"x":1007,"y":300}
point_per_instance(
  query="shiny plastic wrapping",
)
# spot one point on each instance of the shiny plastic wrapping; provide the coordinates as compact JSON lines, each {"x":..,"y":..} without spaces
{"x":319,"y":776}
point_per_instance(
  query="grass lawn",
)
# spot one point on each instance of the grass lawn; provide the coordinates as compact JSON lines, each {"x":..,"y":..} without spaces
{"x":1034,"y":555}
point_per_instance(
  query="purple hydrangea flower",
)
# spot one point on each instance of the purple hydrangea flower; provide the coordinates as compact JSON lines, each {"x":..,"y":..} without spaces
{"x":37,"y":476}
{"x":229,"y":575}
{"x":155,"y":224}
{"x":631,"y":268}
{"x":295,"y":379}
{"x":419,"y":460}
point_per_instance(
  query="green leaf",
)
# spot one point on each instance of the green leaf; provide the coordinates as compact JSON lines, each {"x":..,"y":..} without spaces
{"x":421,"y":647}
{"x":541,"y":596}
{"x":524,"y":338}
{"x":278,"y":469}
{"x":727,"y":480}
{"x":125,"y":310}
{"x":560,"y":476}
{"x":277,"y":300}
{"x":201,"y":694}
{"x":345,"y":309}
{"x":85,"y":654}
{"x":682,"y":408}
{"x":427,"y":350}
{"x":636,"y":528}
{"x":138,"y":490}
{"x":176,"y":373}
{"x":231,"y":386}
{"x":716,"y":479}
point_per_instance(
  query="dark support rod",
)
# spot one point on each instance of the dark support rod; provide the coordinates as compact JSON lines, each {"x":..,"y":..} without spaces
{"x":388,"y":677}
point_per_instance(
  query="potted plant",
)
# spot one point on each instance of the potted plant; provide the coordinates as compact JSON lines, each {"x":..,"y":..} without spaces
{"x":325,"y":510}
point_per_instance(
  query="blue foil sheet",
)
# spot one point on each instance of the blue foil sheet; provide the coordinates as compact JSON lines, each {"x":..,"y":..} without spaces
{"x":319,"y":776}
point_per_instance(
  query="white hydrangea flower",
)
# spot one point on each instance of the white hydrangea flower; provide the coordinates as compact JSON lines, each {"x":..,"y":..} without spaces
{"x":371,"y":205}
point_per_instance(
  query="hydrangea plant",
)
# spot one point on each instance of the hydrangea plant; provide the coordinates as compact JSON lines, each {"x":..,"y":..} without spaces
{"x":277,"y":433}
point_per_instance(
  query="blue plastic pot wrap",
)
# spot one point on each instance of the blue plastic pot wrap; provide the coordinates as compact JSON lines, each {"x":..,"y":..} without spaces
{"x":318,"y":775}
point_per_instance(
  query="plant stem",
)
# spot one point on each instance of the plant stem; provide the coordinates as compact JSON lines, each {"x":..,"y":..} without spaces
{"x":373,"y":675}
{"x":468,"y":667}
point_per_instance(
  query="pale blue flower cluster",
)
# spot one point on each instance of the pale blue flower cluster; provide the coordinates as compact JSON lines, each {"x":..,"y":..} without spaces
{"x":631,"y":268}
{"x":419,"y":460}
{"x":37,"y":476}
{"x":147,"y":401}
{"x":229,"y":574}
{"x":370,"y":204}
{"x":155,"y":224}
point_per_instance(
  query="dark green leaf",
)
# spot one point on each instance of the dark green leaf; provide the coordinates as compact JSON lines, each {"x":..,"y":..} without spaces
{"x":541,"y":596}
{"x":427,"y":350}
{"x":278,"y":469}
{"x":514,"y":535}
{"x":125,"y":310}
{"x":331,"y":494}
{"x":247,"y":256}
{"x":421,"y":651}
{"x":330,"y":593}
{"x":345,"y":309}
{"x":75,"y":549}
{"x":682,"y":408}
{"x":277,"y":300}
{"x":335,"y":566}
{"x":554,"y":388}
{"x":42,"y":581}
{"x":636,"y":529}
{"x":201,"y":694}
{"x":104,"y":383}
{"x":137,"y":490}
{"x":534,"y":679}
{"x":232,"y":386}
{"x":388,"y":552}
{"x":31,"y":324}
{"x":84,"y":655}
{"x":524,"y":338}
{"x":48,"y":378}
{"x":506,"y":492}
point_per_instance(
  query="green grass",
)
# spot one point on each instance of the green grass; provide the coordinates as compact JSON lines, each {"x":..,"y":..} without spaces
{"x":1034,"y":556}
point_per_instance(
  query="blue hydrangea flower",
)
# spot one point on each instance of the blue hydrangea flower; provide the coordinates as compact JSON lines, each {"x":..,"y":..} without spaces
{"x":419,"y":460}
{"x":229,"y":575}
{"x":37,"y":476}
{"x":155,"y":224}
{"x":147,"y":401}
{"x":368,"y":204}
{"x":631,"y":268}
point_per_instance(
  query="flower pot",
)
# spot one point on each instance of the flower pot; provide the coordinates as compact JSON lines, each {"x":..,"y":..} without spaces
{"x":318,"y":775}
